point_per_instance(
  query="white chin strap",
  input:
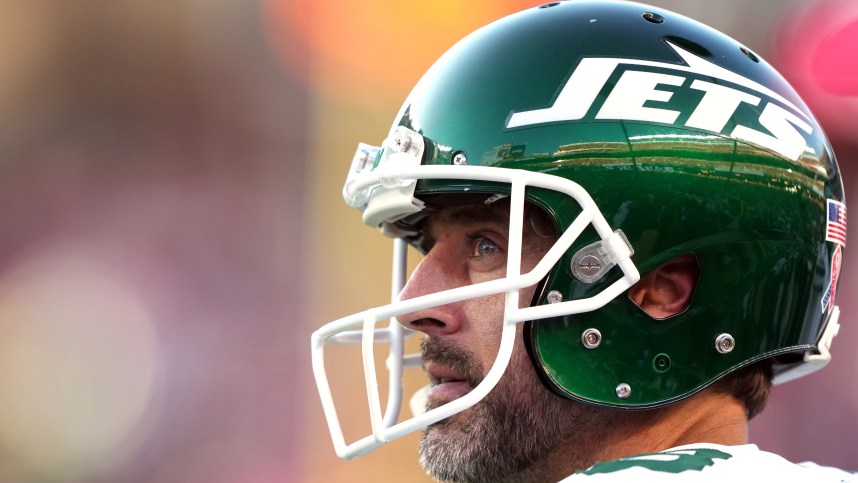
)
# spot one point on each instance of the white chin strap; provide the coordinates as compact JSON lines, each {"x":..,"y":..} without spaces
{"x":399,"y":179}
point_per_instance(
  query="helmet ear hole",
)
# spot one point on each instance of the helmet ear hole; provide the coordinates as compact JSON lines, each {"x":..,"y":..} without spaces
{"x":666,"y":290}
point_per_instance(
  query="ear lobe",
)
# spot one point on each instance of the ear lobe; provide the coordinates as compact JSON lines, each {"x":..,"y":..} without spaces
{"x":666,"y":290}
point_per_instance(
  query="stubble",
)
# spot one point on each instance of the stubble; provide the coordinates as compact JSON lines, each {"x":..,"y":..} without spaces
{"x":519,"y":432}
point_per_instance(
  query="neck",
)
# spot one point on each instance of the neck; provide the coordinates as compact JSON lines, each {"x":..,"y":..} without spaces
{"x":708,"y":417}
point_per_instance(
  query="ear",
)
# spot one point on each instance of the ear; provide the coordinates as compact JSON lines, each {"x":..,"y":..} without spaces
{"x":666,"y":290}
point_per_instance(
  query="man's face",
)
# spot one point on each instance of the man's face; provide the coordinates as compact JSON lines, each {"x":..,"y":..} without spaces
{"x":514,"y":430}
{"x":465,"y":246}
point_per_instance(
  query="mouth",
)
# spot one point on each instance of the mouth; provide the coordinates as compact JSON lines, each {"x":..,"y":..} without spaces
{"x":446,"y":384}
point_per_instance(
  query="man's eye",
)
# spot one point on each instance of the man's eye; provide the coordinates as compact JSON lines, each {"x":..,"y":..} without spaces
{"x":485,"y":247}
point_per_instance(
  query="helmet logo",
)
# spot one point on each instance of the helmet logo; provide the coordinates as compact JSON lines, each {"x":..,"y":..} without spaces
{"x":635,"y":89}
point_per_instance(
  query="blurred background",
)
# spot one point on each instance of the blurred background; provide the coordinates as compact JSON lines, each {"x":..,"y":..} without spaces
{"x":171,"y":225}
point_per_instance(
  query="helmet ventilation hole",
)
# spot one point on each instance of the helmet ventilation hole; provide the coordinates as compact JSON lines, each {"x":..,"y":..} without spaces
{"x":653,"y":17}
{"x":749,"y":54}
{"x":549,"y":5}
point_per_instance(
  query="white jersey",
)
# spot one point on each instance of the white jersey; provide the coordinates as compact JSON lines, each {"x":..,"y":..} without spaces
{"x":709,"y":463}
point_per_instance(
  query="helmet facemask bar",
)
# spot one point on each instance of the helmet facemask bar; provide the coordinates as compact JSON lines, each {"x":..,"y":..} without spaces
{"x":386,"y":428}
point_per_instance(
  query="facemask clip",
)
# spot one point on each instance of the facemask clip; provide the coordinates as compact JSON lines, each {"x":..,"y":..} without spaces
{"x":594,"y":260}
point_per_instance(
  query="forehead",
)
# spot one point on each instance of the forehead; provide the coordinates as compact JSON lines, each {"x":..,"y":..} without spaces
{"x":496,"y":213}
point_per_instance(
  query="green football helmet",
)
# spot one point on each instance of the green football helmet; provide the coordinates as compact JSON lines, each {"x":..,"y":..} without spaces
{"x":643,"y":135}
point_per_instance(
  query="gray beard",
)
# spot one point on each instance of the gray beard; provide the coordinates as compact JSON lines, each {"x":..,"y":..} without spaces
{"x":514,"y":434}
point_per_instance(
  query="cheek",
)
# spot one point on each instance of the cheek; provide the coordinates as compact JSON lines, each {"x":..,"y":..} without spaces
{"x":525,"y":296}
{"x":485,"y":317}
{"x":485,"y":321}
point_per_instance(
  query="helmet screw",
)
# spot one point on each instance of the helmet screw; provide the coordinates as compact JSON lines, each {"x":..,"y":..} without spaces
{"x":725,"y":343}
{"x":460,"y":159}
{"x":591,"y":338}
{"x":554,"y":297}
{"x":624,"y":391}
{"x":589,"y":264}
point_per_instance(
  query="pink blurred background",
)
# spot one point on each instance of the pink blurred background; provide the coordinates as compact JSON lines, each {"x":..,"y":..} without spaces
{"x":172,"y":229}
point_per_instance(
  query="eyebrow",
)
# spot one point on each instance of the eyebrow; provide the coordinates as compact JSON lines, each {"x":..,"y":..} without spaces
{"x":479,"y":213}
{"x":495,"y":214}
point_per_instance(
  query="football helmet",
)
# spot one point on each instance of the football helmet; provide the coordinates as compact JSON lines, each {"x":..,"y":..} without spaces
{"x":643,"y":135}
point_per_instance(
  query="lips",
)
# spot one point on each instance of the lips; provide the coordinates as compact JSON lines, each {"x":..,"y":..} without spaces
{"x":453,"y":371}
{"x":446,"y":384}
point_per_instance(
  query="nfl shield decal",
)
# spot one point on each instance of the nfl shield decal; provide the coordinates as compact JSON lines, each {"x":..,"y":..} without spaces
{"x":828,"y":296}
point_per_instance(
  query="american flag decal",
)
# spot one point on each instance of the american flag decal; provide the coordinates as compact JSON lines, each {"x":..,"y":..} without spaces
{"x":835,"y":225}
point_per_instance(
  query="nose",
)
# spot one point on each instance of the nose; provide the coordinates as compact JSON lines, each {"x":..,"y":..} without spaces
{"x":434,"y":274}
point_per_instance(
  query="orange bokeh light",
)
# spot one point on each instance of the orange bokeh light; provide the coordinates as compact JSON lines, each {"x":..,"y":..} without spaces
{"x":371,"y":52}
